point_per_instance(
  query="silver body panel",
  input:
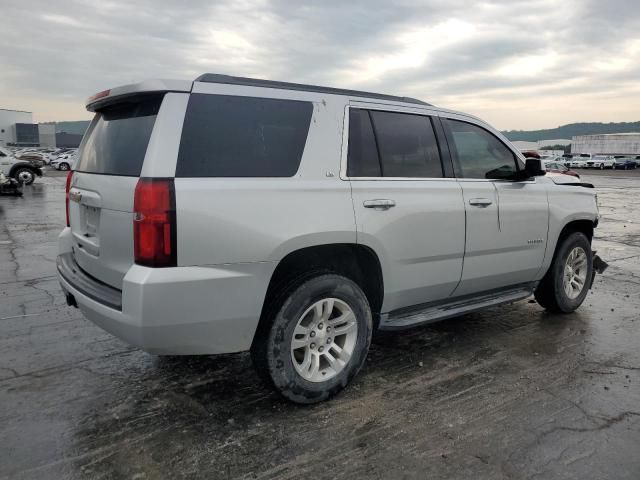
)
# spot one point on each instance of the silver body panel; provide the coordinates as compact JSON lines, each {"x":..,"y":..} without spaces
{"x":433,"y":246}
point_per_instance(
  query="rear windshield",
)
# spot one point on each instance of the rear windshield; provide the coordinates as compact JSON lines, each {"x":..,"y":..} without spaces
{"x":232,"y":136}
{"x":117,"y":139}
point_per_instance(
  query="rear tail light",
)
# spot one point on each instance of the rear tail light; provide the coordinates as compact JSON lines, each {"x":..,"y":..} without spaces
{"x":66,"y":194}
{"x":102,"y":94}
{"x":154,"y":223}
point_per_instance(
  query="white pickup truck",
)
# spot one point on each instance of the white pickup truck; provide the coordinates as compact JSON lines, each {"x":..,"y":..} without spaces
{"x":24,"y":171}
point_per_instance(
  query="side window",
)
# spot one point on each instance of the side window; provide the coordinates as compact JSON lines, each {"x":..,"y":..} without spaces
{"x":233,"y":136}
{"x":362,"y":159}
{"x":479,"y":153}
{"x":407,"y":145}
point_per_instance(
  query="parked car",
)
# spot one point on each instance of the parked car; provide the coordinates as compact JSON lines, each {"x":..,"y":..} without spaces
{"x":63,"y":162}
{"x":231,"y":214}
{"x":23,"y":170}
{"x":557,"y":167}
{"x":625,"y":163}
{"x":578,"y":162}
{"x":601,"y":162}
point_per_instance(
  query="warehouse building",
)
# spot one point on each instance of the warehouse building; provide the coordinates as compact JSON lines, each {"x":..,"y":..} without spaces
{"x":17,"y":129}
{"x":8,"y":121}
{"x":522,"y":145}
{"x":608,"y":144}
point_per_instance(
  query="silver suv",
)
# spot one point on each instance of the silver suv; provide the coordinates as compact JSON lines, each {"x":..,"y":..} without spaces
{"x":232,"y":214}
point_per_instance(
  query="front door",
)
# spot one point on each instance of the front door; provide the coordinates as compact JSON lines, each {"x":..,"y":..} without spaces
{"x":507,"y":221}
{"x":405,"y":209}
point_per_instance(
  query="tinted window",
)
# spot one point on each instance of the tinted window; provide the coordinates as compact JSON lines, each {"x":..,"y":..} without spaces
{"x":363,"y":154}
{"x":407,"y":145}
{"x":117,"y":139}
{"x":231,"y":136}
{"x":479,"y":153}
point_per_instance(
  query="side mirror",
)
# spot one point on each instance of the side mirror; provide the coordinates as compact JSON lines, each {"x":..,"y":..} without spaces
{"x":533,"y":167}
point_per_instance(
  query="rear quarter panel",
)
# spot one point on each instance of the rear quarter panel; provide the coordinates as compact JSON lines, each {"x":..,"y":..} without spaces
{"x":237,"y":220}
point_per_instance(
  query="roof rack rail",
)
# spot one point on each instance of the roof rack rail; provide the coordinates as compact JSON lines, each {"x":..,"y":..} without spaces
{"x":256,"y":82}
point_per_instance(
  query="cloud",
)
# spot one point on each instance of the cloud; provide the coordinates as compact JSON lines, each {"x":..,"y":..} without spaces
{"x":554,"y":60}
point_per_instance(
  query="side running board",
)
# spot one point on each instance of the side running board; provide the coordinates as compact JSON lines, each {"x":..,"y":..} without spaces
{"x":429,"y":313}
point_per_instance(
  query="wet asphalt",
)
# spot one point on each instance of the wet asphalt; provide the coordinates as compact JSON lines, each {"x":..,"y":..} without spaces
{"x":512,"y":392}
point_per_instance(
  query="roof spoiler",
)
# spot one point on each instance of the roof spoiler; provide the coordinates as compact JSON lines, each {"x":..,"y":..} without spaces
{"x":117,"y":94}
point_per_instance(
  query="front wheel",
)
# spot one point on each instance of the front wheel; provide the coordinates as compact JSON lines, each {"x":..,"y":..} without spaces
{"x":24,"y":175}
{"x":567,"y":282}
{"x":63,"y":166}
{"x":317,"y":339}
{"x":602,"y":166}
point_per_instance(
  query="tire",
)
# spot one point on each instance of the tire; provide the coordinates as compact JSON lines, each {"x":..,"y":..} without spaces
{"x":63,"y":166}
{"x":24,"y":175}
{"x":297,"y":374}
{"x":552,"y":290}
{"x":602,"y":166}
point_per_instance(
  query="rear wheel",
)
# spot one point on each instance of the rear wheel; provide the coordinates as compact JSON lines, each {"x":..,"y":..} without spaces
{"x":63,"y":166}
{"x":566,"y":283}
{"x":316,"y":340}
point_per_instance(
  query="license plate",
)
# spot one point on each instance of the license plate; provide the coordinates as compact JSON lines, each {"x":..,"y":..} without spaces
{"x":91,"y":220}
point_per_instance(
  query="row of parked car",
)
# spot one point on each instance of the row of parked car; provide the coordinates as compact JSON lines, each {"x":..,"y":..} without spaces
{"x":59,"y":158}
{"x":24,"y":165}
{"x":565,"y":163}
{"x":586,"y":160}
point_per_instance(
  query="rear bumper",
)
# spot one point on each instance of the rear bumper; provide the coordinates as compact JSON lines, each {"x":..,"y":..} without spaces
{"x":173,"y":311}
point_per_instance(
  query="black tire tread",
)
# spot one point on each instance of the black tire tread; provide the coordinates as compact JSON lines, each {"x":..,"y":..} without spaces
{"x":546,"y":293}
{"x":260,"y":349}
{"x":271,"y":308}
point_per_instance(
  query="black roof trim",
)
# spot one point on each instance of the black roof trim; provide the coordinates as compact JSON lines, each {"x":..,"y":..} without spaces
{"x":256,"y":82}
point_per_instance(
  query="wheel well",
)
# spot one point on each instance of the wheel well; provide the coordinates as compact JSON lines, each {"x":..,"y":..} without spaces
{"x":584,"y":226}
{"x":18,"y":166}
{"x":356,"y":262}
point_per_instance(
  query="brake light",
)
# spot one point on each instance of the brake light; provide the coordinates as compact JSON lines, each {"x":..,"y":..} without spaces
{"x":67,"y":187}
{"x":102,"y":94}
{"x":154,"y":223}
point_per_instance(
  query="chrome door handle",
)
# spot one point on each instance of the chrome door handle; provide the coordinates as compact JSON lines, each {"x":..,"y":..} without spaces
{"x":379,"y":204}
{"x":480,"y":202}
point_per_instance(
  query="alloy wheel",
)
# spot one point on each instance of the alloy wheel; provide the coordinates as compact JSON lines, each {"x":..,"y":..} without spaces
{"x":575,"y":272}
{"x":324,"y":339}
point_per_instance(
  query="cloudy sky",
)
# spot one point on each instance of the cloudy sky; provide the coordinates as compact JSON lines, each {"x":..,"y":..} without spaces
{"x":518,"y":64}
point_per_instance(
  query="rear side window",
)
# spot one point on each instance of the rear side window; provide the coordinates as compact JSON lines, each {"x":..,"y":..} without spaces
{"x":362,"y":160}
{"x":116,"y":141}
{"x":407,"y":145}
{"x":232,"y":136}
{"x":390,"y":144}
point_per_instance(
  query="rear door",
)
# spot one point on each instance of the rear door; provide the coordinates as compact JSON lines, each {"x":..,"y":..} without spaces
{"x":507,"y":221}
{"x":406,"y":209}
{"x":135,"y":137}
